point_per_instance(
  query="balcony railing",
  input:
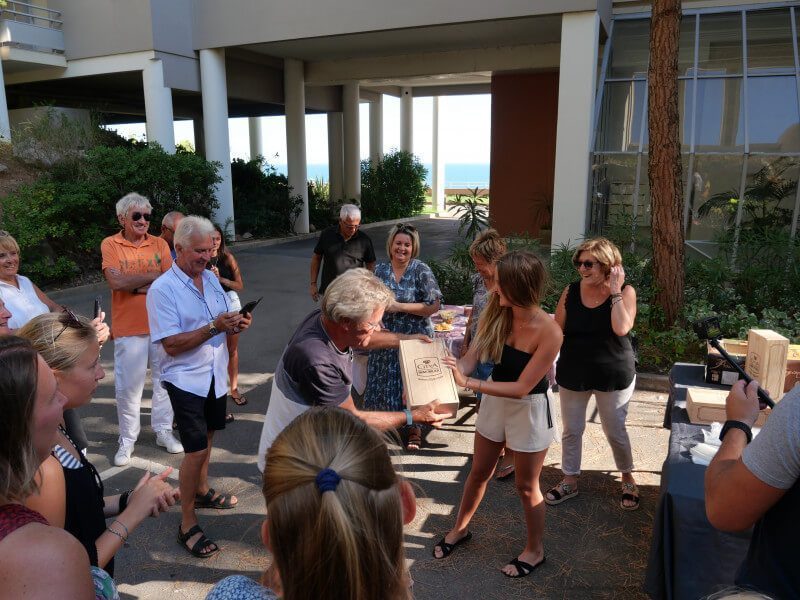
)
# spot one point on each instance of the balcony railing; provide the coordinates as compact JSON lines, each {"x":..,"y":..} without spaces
{"x":31,"y":27}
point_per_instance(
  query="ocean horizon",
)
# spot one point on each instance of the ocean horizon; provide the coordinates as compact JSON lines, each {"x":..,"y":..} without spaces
{"x":456,"y":175}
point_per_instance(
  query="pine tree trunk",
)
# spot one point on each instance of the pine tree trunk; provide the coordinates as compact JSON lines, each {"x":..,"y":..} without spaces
{"x":664,"y":167}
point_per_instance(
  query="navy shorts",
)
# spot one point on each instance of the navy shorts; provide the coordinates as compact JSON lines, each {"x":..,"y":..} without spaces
{"x":196,"y":415}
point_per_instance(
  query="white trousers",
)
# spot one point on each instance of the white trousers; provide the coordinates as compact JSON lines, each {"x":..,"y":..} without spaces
{"x":131,"y":355}
{"x":613,"y":410}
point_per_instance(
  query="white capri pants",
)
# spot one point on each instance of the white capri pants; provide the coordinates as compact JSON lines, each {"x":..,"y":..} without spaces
{"x":613,"y":410}
{"x":131,"y":355}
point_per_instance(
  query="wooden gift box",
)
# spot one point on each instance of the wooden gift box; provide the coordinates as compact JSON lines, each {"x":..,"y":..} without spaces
{"x":766,"y":360}
{"x":717,"y":368}
{"x":706,"y":406}
{"x":792,"y":367}
{"x":425,"y":377}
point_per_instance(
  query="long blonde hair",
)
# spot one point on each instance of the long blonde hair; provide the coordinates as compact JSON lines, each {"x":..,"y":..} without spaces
{"x":337,"y":541}
{"x":522,"y":278}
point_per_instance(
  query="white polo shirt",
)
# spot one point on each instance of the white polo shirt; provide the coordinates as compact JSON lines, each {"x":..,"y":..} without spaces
{"x":175,"y":305}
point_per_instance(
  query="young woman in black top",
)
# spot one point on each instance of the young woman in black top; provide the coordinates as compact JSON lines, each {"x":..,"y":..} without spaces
{"x":522,"y":341}
{"x":596,"y":314}
{"x":70,"y":491}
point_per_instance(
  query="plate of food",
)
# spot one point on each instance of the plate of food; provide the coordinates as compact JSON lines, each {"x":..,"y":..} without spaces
{"x":443,"y":327}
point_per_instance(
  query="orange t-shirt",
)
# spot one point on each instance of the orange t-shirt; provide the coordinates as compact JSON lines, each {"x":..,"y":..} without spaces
{"x":128,"y":310}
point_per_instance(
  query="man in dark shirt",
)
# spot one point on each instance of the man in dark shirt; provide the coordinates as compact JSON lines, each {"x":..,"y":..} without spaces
{"x":339,"y":248}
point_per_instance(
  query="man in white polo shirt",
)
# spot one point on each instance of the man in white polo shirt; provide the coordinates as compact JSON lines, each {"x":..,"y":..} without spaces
{"x":190,"y":315}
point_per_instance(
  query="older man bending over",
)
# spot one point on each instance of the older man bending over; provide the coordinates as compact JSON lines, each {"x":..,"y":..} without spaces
{"x":316,"y":366}
{"x":190,"y":315}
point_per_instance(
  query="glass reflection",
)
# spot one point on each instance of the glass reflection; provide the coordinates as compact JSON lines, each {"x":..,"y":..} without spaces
{"x":719,"y":124}
{"x":621,"y":116}
{"x":613,"y":182}
{"x":686,"y":46}
{"x":713,"y":194}
{"x":630,"y":49}
{"x":770,"y":192}
{"x":772,"y":114}
{"x":720,"y":49}
{"x":769,"y":42}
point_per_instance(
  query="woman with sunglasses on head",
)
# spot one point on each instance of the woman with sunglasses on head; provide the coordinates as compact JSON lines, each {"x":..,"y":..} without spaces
{"x":224,"y":266}
{"x":37,"y":561}
{"x":335,"y":515}
{"x":596,"y":314}
{"x":70,"y":493}
{"x":417,"y":297}
{"x":522,"y":341}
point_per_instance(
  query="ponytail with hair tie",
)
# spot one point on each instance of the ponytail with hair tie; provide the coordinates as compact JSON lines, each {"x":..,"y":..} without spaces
{"x":327,"y":480}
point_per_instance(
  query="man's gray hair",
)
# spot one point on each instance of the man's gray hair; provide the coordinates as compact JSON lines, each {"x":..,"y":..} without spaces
{"x":349,"y":211}
{"x":132,"y":200}
{"x":190,"y":227}
{"x":169,"y":218}
{"x":354,"y":295}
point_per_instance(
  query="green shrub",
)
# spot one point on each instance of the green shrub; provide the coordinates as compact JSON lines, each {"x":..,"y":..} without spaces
{"x":393,"y":188}
{"x":322,"y":212}
{"x":454,"y":281}
{"x":60,"y":220}
{"x":262,"y":203}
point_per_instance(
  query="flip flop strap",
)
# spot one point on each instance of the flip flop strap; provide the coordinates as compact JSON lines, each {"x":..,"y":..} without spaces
{"x":522,"y":567}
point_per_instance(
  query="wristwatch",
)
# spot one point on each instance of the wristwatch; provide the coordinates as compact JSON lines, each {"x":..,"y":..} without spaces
{"x":409,"y":417}
{"x":736,"y":425}
{"x":212,"y":329}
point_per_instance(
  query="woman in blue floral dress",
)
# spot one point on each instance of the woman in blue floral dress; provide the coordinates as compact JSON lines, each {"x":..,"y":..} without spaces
{"x":417,"y":298}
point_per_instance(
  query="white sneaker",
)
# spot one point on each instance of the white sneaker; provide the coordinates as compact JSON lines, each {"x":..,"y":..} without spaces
{"x":123,"y":455}
{"x":168,"y":441}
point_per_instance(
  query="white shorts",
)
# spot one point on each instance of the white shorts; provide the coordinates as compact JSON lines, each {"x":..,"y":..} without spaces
{"x":233,"y":301}
{"x":521,"y":423}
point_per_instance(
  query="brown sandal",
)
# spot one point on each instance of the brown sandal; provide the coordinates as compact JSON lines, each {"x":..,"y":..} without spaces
{"x":630,"y":493}
{"x":414,"y":439}
{"x":239,"y":400}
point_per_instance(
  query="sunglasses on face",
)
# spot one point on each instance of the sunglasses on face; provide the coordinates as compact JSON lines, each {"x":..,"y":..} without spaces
{"x":68,"y":319}
{"x":140,"y":215}
{"x":588,"y":264}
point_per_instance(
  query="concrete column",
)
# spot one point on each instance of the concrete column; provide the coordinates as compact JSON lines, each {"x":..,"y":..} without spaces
{"x":214,"y":89}
{"x":294,"y":92}
{"x":406,"y":120}
{"x":256,"y":137}
{"x":5,"y":124}
{"x":576,"y":94}
{"x":335,"y":155}
{"x":158,"y":106}
{"x":376,"y":130}
{"x":199,"y":137}
{"x":437,"y":169}
{"x":352,"y":151}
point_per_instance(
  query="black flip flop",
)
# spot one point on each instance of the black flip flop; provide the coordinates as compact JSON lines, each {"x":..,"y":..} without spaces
{"x":448,"y":548}
{"x":197,"y":547}
{"x":523,"y":569}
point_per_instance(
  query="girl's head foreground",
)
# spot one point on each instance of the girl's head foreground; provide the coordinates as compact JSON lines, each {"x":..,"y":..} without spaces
{"x":69,"y":345}
{"x":31,"y":406}
{"x":336,"y":510}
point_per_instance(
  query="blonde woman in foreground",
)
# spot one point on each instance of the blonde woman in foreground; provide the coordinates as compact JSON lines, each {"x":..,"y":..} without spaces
{"x":522,"y":341}
{"x":335,"y":515}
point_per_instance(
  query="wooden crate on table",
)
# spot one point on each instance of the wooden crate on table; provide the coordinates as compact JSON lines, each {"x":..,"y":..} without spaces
{"x":766,"y":360}
{"x":705,"y":406}
{"x":425,"y":377}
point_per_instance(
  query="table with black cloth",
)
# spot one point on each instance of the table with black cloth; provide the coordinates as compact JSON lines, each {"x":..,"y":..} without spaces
{"x":688,"y":558}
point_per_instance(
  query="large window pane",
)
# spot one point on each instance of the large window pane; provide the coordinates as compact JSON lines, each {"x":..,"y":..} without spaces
{"x":686,"y":46}
{"x":630,"y":49}
{"x":720,"y":47}
{"x":719,"y":122}
{"x":770,"y":191}
{"x":613,"y":181}
{"x":644,"y":208}
{"x":772,"y":114}
{"x":621,"y":116}
{"x":769,"y":42}
{"x":685,"y":97}
{"x":713,"y":195}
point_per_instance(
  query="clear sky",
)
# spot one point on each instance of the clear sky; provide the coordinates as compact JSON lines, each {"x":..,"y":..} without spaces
{"x":465,"y":120}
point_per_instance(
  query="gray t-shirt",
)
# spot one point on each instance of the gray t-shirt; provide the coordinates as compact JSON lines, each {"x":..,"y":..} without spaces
{"x":774,"y":455}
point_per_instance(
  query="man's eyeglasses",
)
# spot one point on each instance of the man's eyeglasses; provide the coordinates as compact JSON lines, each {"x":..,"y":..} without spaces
{"x":140,"y":215}
{"x":588,"y":264}
{"x":68,"y":319}
{"x":370,"y":327}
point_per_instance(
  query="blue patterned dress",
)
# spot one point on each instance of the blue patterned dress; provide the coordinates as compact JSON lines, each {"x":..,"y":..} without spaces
{"x":384,"y":385}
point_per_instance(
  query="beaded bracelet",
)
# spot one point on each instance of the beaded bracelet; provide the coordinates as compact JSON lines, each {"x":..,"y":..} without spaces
{"x":118,"y":534}
{"x":127,"y":533}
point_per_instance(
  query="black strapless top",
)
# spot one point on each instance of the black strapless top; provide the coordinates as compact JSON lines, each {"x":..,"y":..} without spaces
{"x":512,"y":363}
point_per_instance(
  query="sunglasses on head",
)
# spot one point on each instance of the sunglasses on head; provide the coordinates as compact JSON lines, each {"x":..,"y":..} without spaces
{"x":140,"y":215}
{"x":403,"y":227}
{"x":68,"y":319}
{"x":589,"y":264}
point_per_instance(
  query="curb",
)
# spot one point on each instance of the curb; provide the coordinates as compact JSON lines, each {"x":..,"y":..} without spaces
{"x":652,"y":382}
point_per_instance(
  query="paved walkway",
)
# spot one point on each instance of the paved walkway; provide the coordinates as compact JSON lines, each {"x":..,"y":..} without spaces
{"x":594,"y":550}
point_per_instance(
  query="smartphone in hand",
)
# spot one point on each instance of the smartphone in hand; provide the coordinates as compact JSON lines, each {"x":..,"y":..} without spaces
{"x":97,"y":307}
{"x":250,"y":306}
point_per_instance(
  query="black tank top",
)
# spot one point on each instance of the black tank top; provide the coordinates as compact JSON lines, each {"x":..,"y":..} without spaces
{"x":592,"y":356}
{"x":512,"y":363}
{"x":224,"y":267}
{"x":84,"y":517}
